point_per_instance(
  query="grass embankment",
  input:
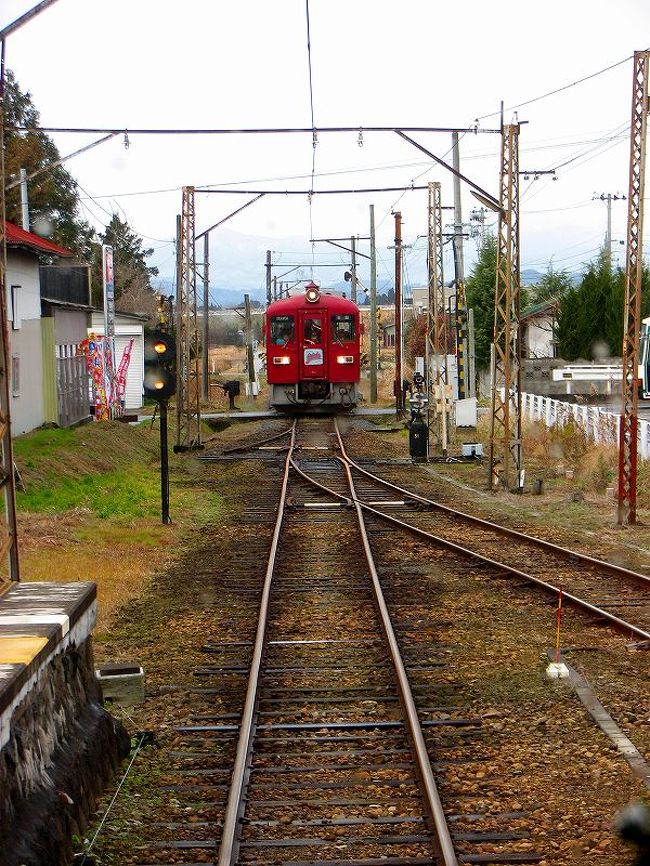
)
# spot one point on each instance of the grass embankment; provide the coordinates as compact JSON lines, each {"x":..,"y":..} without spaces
{"x":91,"y":508}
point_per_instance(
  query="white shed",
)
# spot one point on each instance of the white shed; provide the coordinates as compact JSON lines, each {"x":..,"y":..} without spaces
{"x":128,"y":326}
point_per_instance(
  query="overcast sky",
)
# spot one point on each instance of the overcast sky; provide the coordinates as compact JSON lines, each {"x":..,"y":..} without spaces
{"x":214,"y":64}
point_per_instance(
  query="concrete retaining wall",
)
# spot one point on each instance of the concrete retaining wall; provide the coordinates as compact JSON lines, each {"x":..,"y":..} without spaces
{"x":59,"y":746}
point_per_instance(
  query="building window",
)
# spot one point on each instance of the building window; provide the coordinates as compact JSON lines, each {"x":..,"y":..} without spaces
{"x":15,"y":307}
{"x":15,"y":375}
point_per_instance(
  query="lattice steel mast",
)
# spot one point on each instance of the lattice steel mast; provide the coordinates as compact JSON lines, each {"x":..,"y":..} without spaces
{"x":437,"y":319}
{"x":188,"y":407}
{"x":627,"y":455}
{"x":506,"y":458}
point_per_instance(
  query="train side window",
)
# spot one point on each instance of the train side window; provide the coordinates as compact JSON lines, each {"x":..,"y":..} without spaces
{"x":312,"y":330}
{"x":282,"y":330}
{"x":343,"y":328}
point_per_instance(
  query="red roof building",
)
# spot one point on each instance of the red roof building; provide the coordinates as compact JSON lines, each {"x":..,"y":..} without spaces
{"x":19,"y":238}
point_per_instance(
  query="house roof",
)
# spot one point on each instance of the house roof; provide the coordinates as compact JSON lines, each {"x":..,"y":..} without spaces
{"x":138,"y":317}
{"x":544,"y":308}
{"x":17,"y":237}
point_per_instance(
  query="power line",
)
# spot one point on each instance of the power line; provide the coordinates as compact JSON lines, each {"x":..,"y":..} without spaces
{"x":307,"y":192}
{"x":314,"y":140}
{"x":558,"y":89}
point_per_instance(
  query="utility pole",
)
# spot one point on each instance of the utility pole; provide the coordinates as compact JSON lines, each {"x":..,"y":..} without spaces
{"x":275,"y":289}
{"x":459,"y":256}
{"x":471,"y":359}
{"x":628,"y":442}
{"x":373,"y":308}
{"x":399,"y":406}
{"x":24,"y":199}
{"x":353,"y":250}
{"x":608,"y":198}
{"x":250,"y":361}
{"x":205,"y":389}
{"x":8,"y":530}
{"x":268,"y":276}
{"x":459,"y":265}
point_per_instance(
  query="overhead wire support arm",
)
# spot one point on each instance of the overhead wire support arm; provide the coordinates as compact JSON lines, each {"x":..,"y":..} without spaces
{"x":230,"y":215}
{"x":32,"y":13}
{"x":340,"y":246}
{"x":450,"y":168}
{"x":52,"y":165}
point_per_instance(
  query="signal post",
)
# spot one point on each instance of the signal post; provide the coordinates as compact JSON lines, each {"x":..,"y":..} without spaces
{"x":160,"y":383}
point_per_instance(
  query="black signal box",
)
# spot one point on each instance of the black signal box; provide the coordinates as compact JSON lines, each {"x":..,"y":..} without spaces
{"x":159,"y":365}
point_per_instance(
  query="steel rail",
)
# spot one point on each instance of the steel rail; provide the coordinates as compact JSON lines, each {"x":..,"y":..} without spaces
{"x":444,"y":842}
{"x":503,"y":530}
{"x":230,"y":830}
{"x":597,"y":612}
{"x":259,"y":442}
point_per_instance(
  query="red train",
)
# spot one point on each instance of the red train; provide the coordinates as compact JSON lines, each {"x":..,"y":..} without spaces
{"x":312,"y":351}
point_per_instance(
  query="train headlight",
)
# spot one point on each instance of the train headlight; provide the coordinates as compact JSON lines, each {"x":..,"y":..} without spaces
{"x":312,"y":294}
{"x":345,"y":359}
{"x":282,"y":360}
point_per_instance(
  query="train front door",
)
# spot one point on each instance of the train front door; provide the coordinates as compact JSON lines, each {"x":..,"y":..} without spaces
{"x":313,"y":362}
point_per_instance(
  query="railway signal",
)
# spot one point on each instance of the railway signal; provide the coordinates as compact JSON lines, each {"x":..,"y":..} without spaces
{"x":160,"y":383}
{"x":159,"y":366}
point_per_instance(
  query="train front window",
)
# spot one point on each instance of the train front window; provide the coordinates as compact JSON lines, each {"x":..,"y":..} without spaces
{"x":313,"y":330}
{"x":343,"y":329}
{"x":282,"y":330}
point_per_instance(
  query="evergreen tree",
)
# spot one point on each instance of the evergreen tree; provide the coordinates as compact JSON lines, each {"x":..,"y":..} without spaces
{"x":53,"y":198}
{"x":566,"y":333}
{"x":553,"y":284}
{"x":480,"y":289}
{"x":133,"y":290}
{"x":590,"y":317}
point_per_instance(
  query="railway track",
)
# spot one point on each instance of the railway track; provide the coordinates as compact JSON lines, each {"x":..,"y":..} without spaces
{"x":616,"y":595}
{"x":330,"y":714}
{"x":323,"y":731}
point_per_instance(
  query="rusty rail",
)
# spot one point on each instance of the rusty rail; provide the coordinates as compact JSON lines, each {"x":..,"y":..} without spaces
{"x":229,"y":832}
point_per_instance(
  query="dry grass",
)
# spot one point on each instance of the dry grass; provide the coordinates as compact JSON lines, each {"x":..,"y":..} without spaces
{"x":120,"y":547}
{"x":122,"y":570}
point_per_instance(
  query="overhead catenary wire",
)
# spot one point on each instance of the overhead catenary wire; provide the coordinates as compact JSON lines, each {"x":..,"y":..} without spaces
{"x":262,"y":130}
{"x":573,"y":161}
{"x":314,"y":141}
{"x":557,"y":89}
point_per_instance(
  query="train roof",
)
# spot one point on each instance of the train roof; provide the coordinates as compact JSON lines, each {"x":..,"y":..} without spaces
{"x":327,"y":301}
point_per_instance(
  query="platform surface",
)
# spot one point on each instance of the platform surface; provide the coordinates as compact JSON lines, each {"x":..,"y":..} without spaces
{"x":37,"y":621}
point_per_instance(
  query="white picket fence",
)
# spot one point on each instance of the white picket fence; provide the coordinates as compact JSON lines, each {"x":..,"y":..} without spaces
{"x":598,"y":424}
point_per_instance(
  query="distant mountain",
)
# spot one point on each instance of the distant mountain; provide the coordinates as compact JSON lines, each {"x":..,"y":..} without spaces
{"x":530,"y":277}
{"x":218,"y":295}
